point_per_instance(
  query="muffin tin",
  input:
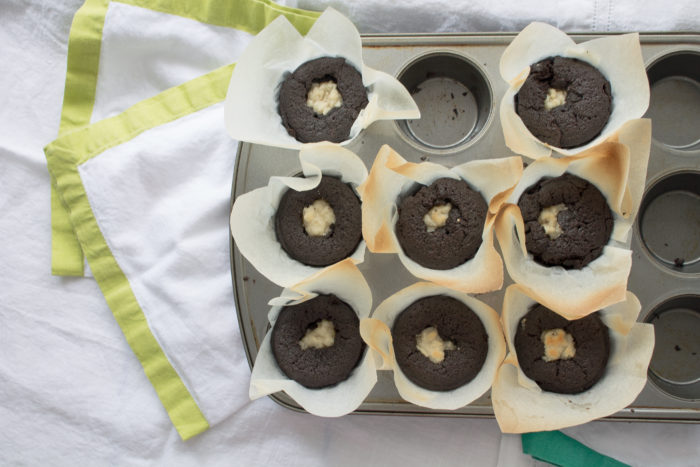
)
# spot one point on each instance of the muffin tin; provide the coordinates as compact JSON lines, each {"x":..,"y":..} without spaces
{"x":455,"y":81}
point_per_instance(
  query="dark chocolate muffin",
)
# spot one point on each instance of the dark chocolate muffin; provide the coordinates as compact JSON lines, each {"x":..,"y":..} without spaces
{"x":333,"y":123}
{"x":564,"y":102}
{"x":342,"y":235}
{"x":449,"y":245}
{"x":567,"y":221}
{"x":572,"y":375}
{"x":317,"y":366}
{"x":439,"y":318}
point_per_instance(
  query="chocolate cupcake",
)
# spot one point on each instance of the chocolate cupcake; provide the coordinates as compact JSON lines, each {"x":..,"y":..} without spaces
{"x":317,"y":343}
{"x":313,"y":351}
{"x":564,"y":102}
{"x":441,"y":225}
{"x":321,"y":100}
{"x":567,"y":221}
{"x":321,"y":226}
{"x":562,"y":356}
{"x":560,"y":373}
{"x":440,"y":344}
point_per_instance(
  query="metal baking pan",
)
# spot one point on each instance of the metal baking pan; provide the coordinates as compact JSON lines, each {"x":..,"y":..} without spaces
{"x":455,"y":81}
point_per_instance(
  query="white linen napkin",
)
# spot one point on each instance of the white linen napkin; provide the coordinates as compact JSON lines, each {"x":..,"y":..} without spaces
{"x":151,"y":213}
{"x":144,"y":166}
{"x":123,"y":51}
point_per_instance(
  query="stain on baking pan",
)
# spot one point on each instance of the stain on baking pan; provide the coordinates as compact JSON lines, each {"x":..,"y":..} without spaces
{"x":454,"y":99}
{"x":675,"y":100}
{"x":675,"y":364}
{"x":669,"y":221}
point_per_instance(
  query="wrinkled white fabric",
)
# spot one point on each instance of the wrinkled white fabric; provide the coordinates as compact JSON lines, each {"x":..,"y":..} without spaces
{"x":71,"y":390}
{"x":379,"y":16}
{"x":170,"y":243}
{"x":145,"y":52}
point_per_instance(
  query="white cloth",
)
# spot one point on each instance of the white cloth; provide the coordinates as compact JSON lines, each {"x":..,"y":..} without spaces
{"x":380,"y":16}
{"x":72,"y":392}
{"x":174,"y":255}
{"x":142,"y":54}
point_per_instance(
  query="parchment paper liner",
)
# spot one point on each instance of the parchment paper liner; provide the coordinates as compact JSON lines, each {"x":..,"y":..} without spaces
{"x":253,"y":214}
{"x":391,"y":177}
{"x":618,"y":58}
{"x":521,"y":406}
{"x":618,"y":170}
{"x":346,"y":282}
{"x":376,"y":332}
{"x":250,"y":109}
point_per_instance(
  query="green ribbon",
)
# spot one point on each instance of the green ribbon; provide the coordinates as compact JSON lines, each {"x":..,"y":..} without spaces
{"x":559,"y":449}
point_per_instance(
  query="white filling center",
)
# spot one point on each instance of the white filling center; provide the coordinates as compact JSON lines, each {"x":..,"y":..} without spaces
{"x":318,"y":218}
{"x":324,"y":97}
{"x":548,"y":220}
{"x":555,"y":98}
{"x":558,"y":345}
{"x":322,"y":336}
{"x":437,"y":217}
{"x":429,"y":343}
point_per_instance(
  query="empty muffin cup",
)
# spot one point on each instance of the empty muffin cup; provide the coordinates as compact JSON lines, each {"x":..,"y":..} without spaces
{"x":675,"y":99}
{"x":675,"y":364}
{"x":454,"y":99}
{"x":669,"y":219}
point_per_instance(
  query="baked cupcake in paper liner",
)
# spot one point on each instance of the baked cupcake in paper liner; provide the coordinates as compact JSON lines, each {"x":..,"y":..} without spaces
{"x":618,"y":58}
{"x":346,"y":282}
{"x":521,"y":406}
{"x":391,"y":178}
{"x":376,"y":332}
{"x":251,"y":106}
{"x":253,"y":213}
{"x":618,"y":170}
